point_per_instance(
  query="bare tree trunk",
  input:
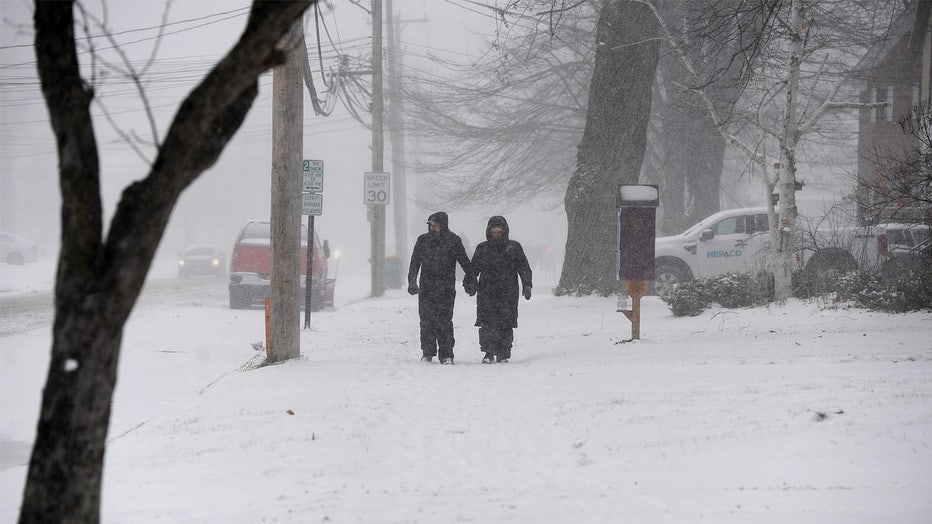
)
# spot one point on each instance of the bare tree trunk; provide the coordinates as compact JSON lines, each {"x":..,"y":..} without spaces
{"x":691,"y":160}
{"x":693,"y":154}
{"x":691,"y":145}
{"x":98,"y":281}
{"x":786,"y":185}
{"x":706,"y":186}
{"x":613,"y":144}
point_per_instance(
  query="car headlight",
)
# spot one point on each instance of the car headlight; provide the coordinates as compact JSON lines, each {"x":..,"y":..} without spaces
{"x":215,"y":262}
{"x":181,"y":262}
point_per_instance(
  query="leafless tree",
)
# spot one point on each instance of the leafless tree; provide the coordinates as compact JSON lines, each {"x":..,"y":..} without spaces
{"x":613,"y":143}
{"x":504,"y":129}
{"x":801,"y":55}
{"x":686,"y":152}
{"x":99,"y":276}
{"x":723,"y":47}
{"x":512,"y":137}
{"x":507,"y":129}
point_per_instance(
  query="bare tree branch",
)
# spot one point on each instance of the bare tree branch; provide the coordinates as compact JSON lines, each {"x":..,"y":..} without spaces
{"x":98,"y":282}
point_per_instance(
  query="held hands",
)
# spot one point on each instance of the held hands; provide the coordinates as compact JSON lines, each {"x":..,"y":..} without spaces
{"x":527,"y":293}
{"x":469,"y":285}
{"x":412,"y":288}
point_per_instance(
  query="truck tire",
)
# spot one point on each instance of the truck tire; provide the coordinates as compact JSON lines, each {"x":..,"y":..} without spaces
{"x":317,"y":299}
{"x":237,"y":300}
{"x":666,"y":275}
{"x":826,"y":264}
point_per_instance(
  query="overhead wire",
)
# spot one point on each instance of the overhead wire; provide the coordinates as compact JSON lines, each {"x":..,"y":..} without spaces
{"x":173,"y":73}
{"x":122,"y":44}
{"x":320,"y":52}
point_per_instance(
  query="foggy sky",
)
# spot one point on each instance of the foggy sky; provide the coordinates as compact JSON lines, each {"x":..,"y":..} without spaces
{"x":236,"y":189}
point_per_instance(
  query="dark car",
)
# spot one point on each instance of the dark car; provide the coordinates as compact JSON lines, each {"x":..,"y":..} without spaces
{"x":201,"y":260}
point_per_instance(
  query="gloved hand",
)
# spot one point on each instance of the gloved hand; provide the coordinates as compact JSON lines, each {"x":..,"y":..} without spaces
{"x":470,"y":285}
{"x":527,"y":293}
{"x":412,"y":289}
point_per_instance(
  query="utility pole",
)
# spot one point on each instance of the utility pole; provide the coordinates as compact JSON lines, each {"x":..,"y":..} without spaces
{"x":396,"y":136}
{"x":287,"y":153}
{"x":377,"y":223}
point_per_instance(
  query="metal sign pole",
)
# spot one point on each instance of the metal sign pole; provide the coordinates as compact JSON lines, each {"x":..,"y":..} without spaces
{"x":309,"y":271}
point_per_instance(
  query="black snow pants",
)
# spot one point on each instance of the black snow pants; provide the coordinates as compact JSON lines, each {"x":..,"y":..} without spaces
{"x":435,"y":307}
{"x":496,"y":340}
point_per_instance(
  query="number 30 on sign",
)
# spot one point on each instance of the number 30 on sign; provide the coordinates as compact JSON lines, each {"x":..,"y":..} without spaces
{"x":377,"y":189}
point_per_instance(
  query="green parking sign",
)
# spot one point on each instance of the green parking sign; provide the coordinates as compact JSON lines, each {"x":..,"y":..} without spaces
{"x":313,"y":176}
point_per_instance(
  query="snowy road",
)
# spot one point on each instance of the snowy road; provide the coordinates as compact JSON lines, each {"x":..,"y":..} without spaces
{"x":26,"y":312}
{"x":27,"y":318}
{"x":792,"y":413}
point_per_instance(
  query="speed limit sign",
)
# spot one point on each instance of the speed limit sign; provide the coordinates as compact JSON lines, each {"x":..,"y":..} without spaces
{"x":377,"y":189}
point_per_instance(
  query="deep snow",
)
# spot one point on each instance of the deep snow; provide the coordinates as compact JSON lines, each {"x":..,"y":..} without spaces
{"x":797,"y":412}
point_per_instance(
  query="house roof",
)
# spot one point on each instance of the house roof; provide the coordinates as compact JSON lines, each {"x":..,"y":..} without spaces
{"x":912,"y":21}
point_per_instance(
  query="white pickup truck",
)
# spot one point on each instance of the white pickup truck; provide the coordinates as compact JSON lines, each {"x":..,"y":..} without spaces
{"x":739,"y":240}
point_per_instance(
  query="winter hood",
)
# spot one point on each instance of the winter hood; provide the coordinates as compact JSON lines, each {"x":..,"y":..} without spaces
{"x":497,"y":221}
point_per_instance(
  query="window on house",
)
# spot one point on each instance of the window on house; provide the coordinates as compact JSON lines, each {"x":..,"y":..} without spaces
{"x":884,"y":113}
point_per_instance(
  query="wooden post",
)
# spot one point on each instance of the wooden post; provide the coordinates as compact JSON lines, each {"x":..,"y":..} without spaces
{"x":287,"y":154}
{"x":636,"y":290}
{"x":268,"y":325}
{"x":377,"y":227}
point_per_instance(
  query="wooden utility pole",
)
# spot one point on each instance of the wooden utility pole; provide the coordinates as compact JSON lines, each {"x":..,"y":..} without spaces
{"x":287,"y":153}
{"x":377,"y":241}
{"x":396,"y":135}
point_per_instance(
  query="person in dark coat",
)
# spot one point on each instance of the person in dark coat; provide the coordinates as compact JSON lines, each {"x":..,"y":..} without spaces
{"x":498,"y":263}
{"x":435,"y":256}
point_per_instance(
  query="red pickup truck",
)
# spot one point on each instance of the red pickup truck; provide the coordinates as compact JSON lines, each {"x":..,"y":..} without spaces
{"x":251,"y":267}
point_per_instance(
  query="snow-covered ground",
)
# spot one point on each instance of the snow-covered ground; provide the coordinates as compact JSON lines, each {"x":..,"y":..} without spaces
{"x":795,"y":413}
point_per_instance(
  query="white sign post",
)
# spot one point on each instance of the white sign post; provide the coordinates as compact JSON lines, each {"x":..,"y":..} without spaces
{"x":312,"y":201}
{"x":377,"y":189}
{"x":312,"y":204}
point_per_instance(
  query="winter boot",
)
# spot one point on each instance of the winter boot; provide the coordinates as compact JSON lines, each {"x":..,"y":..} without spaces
{"x":489,"y":358}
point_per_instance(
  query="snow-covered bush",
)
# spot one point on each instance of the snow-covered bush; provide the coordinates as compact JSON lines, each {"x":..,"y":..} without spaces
{"x":912,"y":291}
{"x":687,"y":299}
{"x":730,"y":290}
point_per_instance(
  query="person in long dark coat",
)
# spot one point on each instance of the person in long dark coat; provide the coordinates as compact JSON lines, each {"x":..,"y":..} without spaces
{"x":435,"y":256}
{"x":499,"y":263}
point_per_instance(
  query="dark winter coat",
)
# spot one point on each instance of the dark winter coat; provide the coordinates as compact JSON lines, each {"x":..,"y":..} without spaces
{"x":499,"y":264}
{"x":435,"y":255}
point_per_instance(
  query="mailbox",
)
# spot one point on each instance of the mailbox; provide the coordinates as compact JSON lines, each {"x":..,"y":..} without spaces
{"x":637,"y":211}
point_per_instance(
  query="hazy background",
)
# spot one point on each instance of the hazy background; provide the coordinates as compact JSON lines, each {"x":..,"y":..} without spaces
{"x":196,"y":34}
{"x":237,"y":188}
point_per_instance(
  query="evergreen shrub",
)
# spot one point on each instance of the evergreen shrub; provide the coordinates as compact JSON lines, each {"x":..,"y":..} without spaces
{"x":730,"y":290}
{"x":911,"y":291}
